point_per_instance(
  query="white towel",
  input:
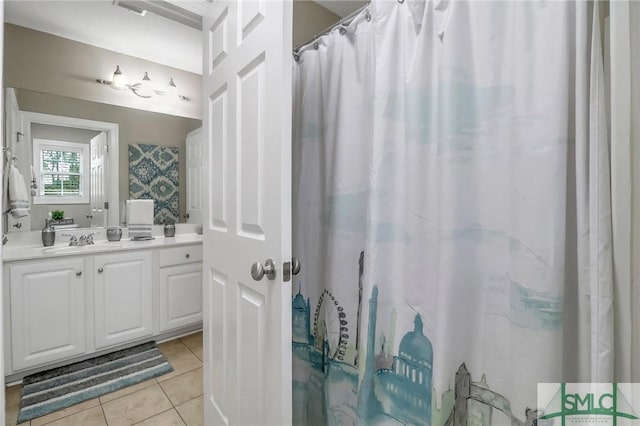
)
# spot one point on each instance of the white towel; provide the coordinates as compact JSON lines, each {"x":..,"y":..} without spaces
{"x":17,"y":193}
{"x":140,"y":218}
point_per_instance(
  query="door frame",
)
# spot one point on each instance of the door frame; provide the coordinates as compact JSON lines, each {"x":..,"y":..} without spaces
{"x":2,"y":313}
{"x":113,"y":143}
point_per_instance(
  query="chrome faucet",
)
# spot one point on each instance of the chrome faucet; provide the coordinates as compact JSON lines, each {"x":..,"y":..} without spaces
{"x":73,"y":240}
{"x":86,"y":240}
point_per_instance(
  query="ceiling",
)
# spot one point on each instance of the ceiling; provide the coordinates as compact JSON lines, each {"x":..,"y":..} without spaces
{"x":102,"y":24}
{"x":157,"y":36}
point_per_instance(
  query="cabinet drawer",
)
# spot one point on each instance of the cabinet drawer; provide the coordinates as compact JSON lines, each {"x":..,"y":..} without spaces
{"x":180,"y":255}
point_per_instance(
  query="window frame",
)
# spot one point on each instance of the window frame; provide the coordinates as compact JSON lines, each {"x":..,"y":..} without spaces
{"x":85,"y":170}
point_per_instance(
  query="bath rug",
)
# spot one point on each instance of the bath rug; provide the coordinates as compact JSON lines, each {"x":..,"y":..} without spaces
{"x":61,"y":387}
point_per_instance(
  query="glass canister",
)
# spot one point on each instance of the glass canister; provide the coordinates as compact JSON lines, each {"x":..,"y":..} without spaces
{"x":114,"y":233}
{"x":169,"y":229}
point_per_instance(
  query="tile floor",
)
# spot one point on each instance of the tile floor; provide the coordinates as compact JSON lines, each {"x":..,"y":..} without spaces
{"x":170,"y":400}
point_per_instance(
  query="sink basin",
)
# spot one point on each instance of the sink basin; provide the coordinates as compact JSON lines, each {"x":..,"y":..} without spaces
{"x":83,"y":249}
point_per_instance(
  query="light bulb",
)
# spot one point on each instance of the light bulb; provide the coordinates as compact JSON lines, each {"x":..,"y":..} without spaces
{"x":119,"y":80}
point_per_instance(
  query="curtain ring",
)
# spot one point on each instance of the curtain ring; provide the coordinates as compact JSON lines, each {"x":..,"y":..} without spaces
{"x":316,"y":45}
{"x":368,"y":16}
{"x":400,"y":1}
{"x":296,"y":56}
{"x":342,"y":31}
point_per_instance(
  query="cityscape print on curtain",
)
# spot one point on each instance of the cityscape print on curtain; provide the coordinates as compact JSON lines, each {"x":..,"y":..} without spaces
{"x":404,"y":380}
{"x":443,"y":214}
{"x":394,"y":388}
{"x":153,"y":174}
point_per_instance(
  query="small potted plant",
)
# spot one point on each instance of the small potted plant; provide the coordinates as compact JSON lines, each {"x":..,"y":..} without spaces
{"x":57,"y":214}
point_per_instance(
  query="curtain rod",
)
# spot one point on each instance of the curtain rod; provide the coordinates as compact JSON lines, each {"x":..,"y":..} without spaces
{"x":344,"y":21}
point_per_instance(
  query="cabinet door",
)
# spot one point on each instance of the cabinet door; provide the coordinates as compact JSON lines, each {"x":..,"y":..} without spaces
{"x":123,"y":297}
{"x":47,"y":312}
{"x":180,"y":296}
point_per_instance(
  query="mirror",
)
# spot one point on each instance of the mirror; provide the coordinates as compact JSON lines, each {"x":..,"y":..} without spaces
{"x":59,"y":76}
{"x":52,"y":117}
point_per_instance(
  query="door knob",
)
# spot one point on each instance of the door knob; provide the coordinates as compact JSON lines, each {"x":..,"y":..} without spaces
{"x":100,"y":270}
{"x":295,"y":266}
{"x":258,"y":271}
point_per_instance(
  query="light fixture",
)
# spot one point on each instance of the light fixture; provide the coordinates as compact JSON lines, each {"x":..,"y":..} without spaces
{"x":144,"y":88}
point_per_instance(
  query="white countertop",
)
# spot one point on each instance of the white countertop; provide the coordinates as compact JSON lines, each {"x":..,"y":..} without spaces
{"x":39,"y":252}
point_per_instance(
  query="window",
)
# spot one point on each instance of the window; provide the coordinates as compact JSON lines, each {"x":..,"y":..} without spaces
{"x":63,"y":172}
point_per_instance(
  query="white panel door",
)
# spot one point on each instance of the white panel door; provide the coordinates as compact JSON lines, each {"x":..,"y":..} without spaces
{"x":194,"y":176}
{"x":99,"y":180}
{"x":247,"y":132}
{"x":122,"y":297}
{"x":47,"y":312}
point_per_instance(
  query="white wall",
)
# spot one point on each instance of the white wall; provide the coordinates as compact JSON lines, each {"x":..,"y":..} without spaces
{"x":309,"y":19}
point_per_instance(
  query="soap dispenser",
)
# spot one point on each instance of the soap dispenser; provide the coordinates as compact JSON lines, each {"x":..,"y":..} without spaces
{"x":48,"y":234}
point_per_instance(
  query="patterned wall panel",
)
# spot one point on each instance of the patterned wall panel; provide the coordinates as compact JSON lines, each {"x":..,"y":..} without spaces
{"x":153,"y":174}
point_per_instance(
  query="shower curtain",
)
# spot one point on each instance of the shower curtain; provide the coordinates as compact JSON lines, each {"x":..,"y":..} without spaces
{"x":623,"y":43}
{"x":452,"y":213}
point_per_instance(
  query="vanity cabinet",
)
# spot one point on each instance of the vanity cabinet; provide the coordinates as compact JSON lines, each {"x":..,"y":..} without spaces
{"x":63,"y":308}
{"x":47,"y":311}
{"x":180,"y":287}
{"x":123,"y":297}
